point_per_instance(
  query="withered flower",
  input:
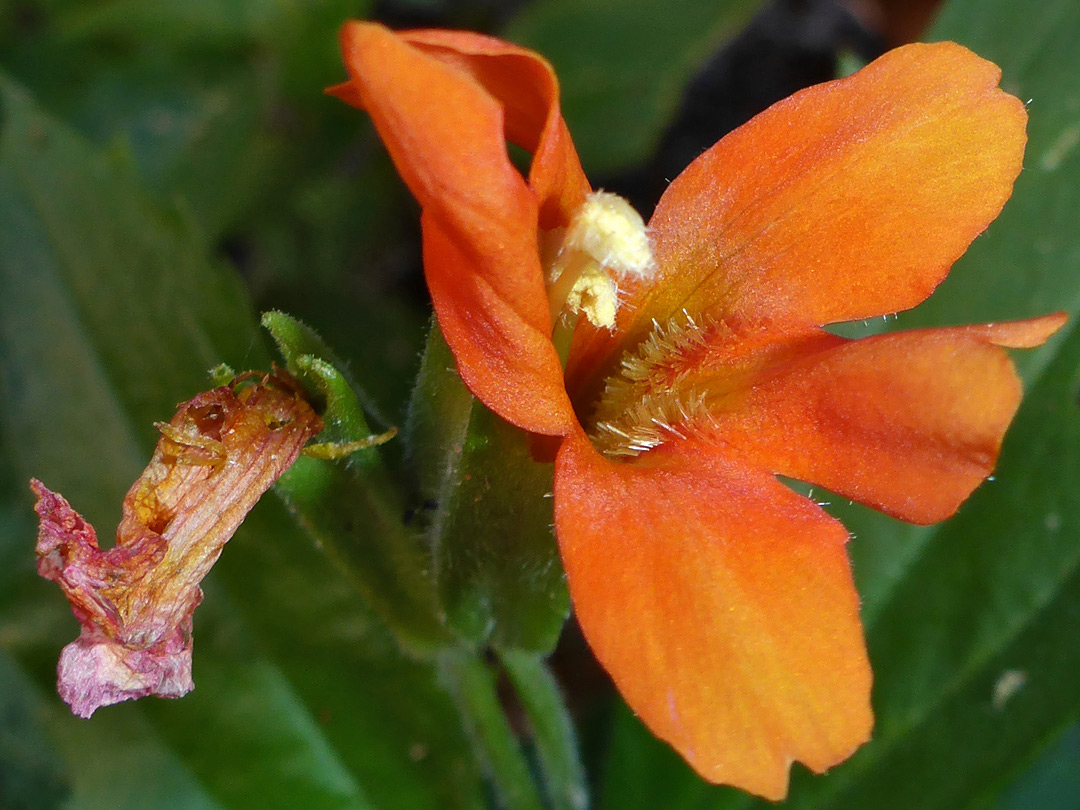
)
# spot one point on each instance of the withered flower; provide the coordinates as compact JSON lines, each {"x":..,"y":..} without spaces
{"x":216,"y":457}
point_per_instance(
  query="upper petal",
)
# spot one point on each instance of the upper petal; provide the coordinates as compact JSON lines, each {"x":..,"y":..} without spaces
{"x":722,"y":605}
{"x":491,"y":343}
{"x":445,"y":132}
{"x":526,"y":86}
{"x":847,"y":200}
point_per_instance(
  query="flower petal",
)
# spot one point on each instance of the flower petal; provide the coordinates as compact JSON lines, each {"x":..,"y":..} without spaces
{"x":869,"y":190}
{"x":444,"y":132}
{"x":909,"y":423}
{"x":1019,"y":334}
{"x":847,"y":200}
{"x":722,"y":605}
{"x":526,"y":86}
{"x":475,"y":321}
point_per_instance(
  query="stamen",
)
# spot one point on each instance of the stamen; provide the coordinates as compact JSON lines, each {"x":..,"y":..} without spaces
{"x":607,"y":240}
{"x":608,"y":229}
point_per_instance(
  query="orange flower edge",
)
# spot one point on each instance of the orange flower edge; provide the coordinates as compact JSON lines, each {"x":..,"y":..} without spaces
{"x":720,"y":601}
{"x":218,"y":454}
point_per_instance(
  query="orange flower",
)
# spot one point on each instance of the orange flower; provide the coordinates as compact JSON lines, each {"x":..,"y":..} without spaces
{"x":720,"y":601}
{"x":134,"y":601}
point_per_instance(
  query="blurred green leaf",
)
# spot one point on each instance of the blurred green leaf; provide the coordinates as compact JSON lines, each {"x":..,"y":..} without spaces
{"x":1026,"y":264}
{"x":489,"y":513}
{"x":644,"y":772}
{"x":552,"y":730}
{"x":220,"y":107}
{"x":201,"y":23}
{"x":116,"y":293}
{"x":219,"y":102}
{"x":474,"y":687}
{"x":31,"y":775}
{"x":622,"y":65}
{"x":196,"y":127}
{"x":117,"y":761}
{"x":971,"y":624}
{"x":975,"y":648}
{"x":383,"y":714}
{"x":199,"y":136}
{"x":110,"y":313}
{"x":1052,"y":780}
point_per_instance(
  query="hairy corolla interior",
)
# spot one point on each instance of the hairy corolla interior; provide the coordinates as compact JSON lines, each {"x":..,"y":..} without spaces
{"x":686,"y":371}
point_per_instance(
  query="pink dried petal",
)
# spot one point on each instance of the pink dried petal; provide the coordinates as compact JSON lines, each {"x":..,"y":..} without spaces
{"x":219,"y":453}
{"x":96,"y":670}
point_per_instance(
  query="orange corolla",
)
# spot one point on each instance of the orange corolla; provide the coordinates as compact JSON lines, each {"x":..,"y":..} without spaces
{"x":683,"y":367}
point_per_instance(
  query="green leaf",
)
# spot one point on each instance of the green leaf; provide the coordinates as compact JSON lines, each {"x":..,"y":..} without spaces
{"x":101,"y":286}
{"x":31,"y":774}
{"x":644,"y":772}
{"x":994,"y":610}
{"x":262,"y":724}
{"x":218,"y":102}
{"x":973,"y":652}
{"x":1052,"y":780}
{"x":197,"y":136}
{"x":623,"y":64}
{"x":303,"y":37}
{"x":489,"y":511}
{"x":117,"y":761}
{"x":110,"y":313}
{"x":473,"y":684}
{"x":199,"y":22}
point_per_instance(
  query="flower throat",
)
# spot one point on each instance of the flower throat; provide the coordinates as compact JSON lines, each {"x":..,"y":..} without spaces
{"x":607,"y":242}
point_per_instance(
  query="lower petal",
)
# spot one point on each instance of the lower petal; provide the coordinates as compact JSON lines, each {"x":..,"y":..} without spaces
{"x":722,"y":605}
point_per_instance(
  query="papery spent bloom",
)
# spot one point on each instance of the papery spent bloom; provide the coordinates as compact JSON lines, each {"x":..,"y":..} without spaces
{"x":216,"y":457}
{"x":697,"y":369}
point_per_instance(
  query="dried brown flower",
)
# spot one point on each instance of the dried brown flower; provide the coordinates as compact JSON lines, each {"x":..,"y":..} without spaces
{"x":216,"y":457}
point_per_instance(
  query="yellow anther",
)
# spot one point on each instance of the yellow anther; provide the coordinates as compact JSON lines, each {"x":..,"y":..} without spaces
{"x":613,"y":234}
{"x":606,"y":240}
{"x":595,"y":294}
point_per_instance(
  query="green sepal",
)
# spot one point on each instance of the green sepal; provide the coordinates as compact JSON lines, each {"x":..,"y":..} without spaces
{"x":222,"y":374}
{"x":487,"y":509}
{"x":310,"y":360}
{"x":355,"y":510}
